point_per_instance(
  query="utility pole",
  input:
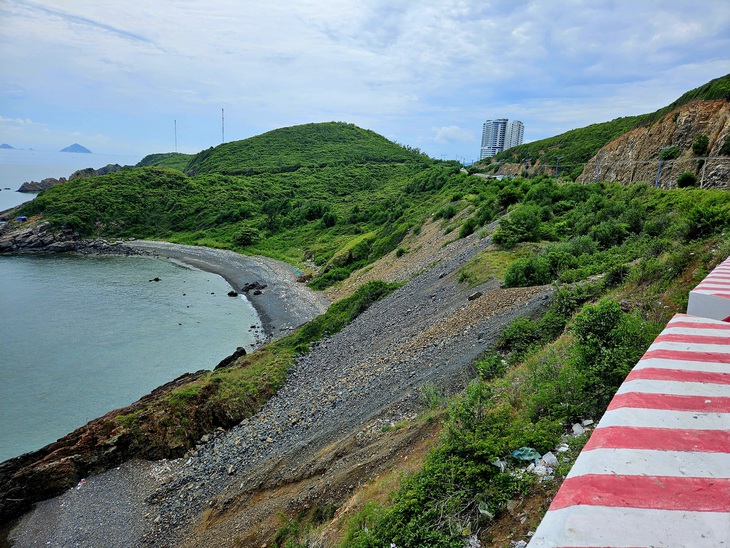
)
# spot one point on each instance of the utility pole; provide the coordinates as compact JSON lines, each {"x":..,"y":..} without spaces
{"x":175,"y":135}
{"x":223,"y":128}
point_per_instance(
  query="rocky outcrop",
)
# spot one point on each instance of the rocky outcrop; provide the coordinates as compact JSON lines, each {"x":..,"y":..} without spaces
{"x":91,"y":172}
{"x":98,"y":446}
{"x":635,"y":156}
{"x":41,"y":238}
{"x":37,"y":186}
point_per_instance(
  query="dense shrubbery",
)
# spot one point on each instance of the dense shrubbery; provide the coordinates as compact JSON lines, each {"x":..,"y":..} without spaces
{"x":600,"y":227}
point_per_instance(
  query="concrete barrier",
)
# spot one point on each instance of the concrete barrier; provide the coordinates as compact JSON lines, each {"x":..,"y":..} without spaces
{"x":656,"y":470}
{"x":711,"y":298}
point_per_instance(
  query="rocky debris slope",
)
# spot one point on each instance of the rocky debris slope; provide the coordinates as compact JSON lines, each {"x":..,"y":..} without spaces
{"x":322,"y":433}
{"x":635,"y":155}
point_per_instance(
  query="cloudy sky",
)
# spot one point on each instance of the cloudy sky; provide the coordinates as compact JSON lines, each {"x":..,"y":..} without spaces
{"x":117,"y":76}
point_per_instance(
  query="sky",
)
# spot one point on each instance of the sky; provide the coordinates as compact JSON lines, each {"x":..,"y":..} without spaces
{"x":134,"y":77}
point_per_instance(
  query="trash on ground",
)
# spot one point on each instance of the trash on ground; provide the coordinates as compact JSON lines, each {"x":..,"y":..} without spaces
{"x":526,"y":453}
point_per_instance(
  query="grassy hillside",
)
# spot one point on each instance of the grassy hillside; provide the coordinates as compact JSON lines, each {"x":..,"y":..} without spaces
{"x":636,"y":251}
{"x":308,"y":145}
{"x":575,"y":147}
{"x":320,"y":189}
{"x":172,"y":160}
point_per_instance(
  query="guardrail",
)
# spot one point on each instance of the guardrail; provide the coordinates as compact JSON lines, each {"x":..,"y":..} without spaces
{"x":656,"y":470}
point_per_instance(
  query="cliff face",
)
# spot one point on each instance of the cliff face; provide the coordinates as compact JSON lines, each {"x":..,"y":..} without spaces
{"x":635,"y":156}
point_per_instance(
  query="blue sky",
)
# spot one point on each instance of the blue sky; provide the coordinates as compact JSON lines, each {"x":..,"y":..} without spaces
{"x":115,"y":76}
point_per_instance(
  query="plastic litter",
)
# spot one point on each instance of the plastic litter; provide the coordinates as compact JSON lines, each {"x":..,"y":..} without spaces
{"x":517,"y":544}
{"x":526,"y":453}
{"x":578,"y":430}
{"x":562,"y":448}
{"x":502,"y":465}
{"x":548,"y":459}
{"x":587,"y":422}
{"x":484,"y":510}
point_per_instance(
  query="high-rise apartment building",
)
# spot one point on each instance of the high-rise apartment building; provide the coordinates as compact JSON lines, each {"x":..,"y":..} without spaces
{"x":499,"y":135}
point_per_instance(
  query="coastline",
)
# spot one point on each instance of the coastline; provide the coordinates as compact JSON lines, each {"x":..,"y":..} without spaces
{"x":283,"y":305}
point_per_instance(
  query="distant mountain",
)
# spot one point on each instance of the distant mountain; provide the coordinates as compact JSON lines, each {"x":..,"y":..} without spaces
{"x":76,"y":148}
{"x":7,"y":146}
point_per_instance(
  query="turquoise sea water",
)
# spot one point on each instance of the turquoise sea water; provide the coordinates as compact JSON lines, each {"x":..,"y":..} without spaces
{"x":81,"y":336}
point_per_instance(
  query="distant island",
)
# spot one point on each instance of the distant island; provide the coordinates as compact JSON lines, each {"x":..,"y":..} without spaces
{"x":76,"y":148}
{"x":6,"y":146}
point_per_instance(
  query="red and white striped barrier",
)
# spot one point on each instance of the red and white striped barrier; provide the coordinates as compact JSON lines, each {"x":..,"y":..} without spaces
{"x":711,"y":298}
{"x":656,"y":470}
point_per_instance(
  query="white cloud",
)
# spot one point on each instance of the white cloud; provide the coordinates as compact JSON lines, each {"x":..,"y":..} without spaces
{"x":450,"y":134}
{"x":406,"y":69}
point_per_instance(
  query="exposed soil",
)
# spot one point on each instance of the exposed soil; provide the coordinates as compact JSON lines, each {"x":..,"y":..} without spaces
{"x":322,"y":435}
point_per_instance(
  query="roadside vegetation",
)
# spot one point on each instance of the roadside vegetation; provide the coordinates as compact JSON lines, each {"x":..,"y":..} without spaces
{"x":624,"y":259}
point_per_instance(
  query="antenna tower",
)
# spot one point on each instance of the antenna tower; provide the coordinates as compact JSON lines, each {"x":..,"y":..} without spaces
{"x":223,"y":128}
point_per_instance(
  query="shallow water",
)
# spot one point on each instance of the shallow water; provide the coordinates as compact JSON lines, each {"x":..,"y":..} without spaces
{"x":81,"y":336}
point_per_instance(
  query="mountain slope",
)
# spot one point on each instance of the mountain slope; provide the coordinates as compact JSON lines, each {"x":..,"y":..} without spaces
{"x":574,"y":148}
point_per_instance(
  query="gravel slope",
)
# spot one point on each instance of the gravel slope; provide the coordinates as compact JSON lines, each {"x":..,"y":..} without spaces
{"x":321,"y":421}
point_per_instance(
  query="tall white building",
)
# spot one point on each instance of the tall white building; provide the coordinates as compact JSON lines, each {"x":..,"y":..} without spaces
{"x":499,"y":135}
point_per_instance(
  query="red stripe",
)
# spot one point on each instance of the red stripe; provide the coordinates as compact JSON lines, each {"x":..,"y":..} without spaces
{"x":688,"y":356}
{"x":682,"y":375}
{"x":668,"y":402}
{"x":691,"y":338}
{"x":659,"y":439}
{"x":655,"y":492}
{"x":697,"y":325}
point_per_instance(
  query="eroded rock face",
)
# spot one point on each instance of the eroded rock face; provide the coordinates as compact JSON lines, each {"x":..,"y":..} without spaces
{"x":635,"y":156}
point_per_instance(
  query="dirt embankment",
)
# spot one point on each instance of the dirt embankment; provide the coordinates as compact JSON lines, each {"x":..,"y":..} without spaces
{"x":319,"y":437}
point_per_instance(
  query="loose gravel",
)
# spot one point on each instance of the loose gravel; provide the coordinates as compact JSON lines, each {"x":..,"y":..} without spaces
{"x":368,"y":373}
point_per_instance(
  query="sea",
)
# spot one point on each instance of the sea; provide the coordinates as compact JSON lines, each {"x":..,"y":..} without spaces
{"x":83,"y":335}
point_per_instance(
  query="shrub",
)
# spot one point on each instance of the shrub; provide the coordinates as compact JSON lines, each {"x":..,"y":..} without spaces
{"x":468,"y":227}
{"x":686,"y":179}
{"x":669,"y":153}
{"x":700,"y":144}
{"x":446,"y":212}
{"x":329,"y":219}
{"x":528,"y":271}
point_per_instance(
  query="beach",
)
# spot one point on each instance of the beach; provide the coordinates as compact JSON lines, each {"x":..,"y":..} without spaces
{"x":282,"y":305}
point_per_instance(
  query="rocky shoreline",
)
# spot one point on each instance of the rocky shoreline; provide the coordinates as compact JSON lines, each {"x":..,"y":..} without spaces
{"x":282,"y":306}
{"x":317,"y":438}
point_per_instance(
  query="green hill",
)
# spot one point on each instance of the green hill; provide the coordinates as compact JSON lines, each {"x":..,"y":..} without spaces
{"x":308,"y":145}
{"x":319,"y":188}
{"x":575,"y":147}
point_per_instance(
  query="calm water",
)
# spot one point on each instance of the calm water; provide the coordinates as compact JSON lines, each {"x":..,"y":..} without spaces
{"x":80,"y":336}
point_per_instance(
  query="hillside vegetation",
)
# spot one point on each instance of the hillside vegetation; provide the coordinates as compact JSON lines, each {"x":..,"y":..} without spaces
{"x":574,"y":148}
{"x":333,"y":198}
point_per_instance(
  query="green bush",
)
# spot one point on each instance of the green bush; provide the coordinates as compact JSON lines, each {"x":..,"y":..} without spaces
{"x":686,"y":179}
{"x":528,"y":271}
{"x":700,"y":144}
